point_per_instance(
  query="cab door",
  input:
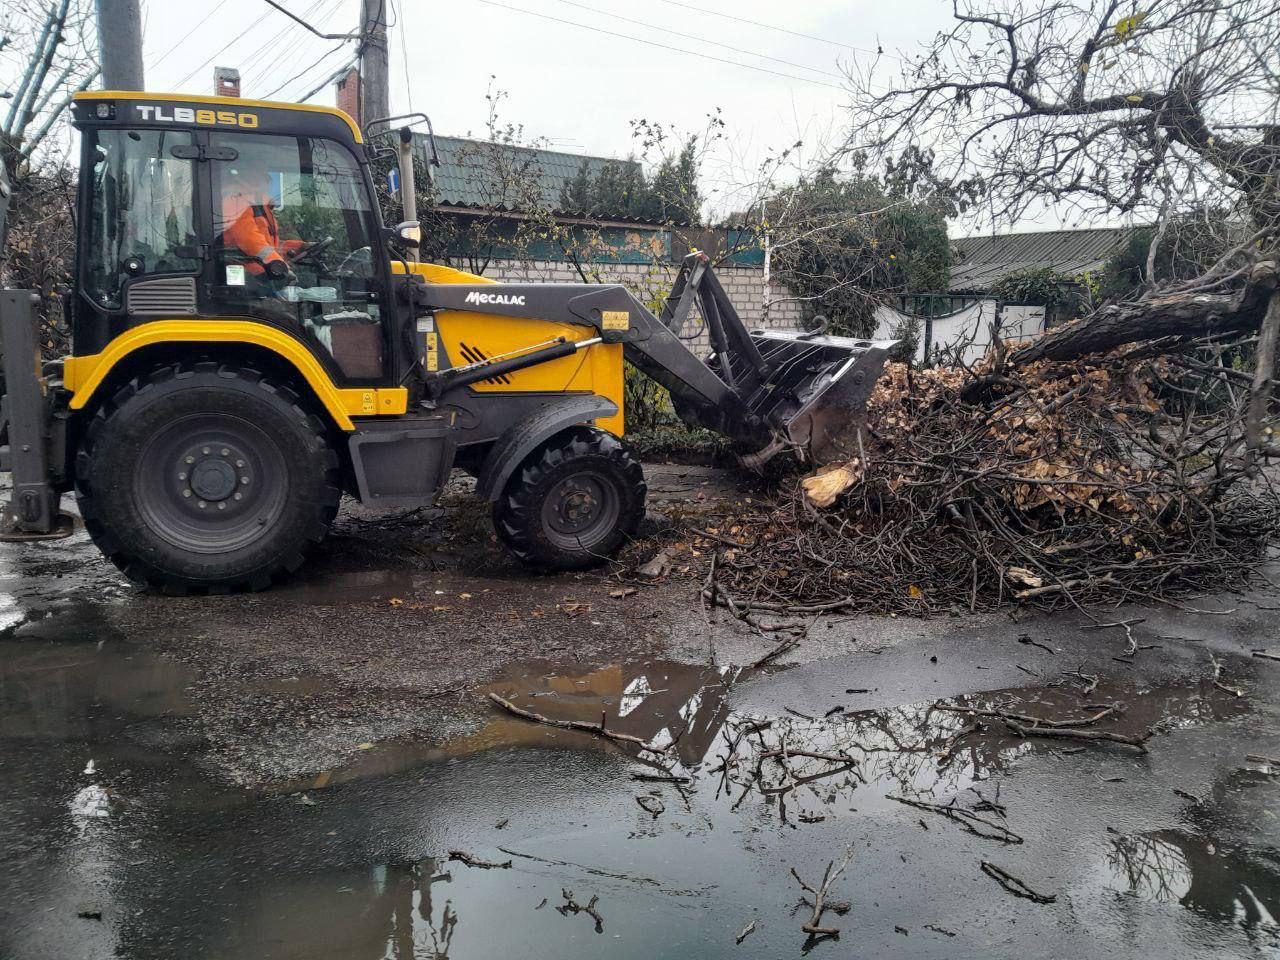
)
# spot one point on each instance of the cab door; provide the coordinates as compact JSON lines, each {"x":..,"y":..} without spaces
{"x":140,"y":252}
{"x":296,"y":243}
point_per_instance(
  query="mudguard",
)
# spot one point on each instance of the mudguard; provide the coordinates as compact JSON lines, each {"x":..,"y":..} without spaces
{"x":524,"y":436}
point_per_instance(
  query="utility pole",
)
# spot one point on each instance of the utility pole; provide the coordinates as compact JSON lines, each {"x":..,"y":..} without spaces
{"x":120,"y":44}
{"x":375,"y":93}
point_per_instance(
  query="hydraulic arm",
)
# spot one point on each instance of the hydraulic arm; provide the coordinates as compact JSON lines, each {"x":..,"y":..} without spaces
{"x":769,"y":390}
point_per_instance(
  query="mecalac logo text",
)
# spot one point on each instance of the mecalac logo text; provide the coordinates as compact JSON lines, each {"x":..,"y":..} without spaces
{"x":509,"y":300}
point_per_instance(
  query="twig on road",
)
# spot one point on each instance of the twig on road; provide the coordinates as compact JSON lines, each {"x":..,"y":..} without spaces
{"x":966,"y":818}
{"x":585,"y":726}
{"x":1015,"y":886}
{"x":1217,"y":682}
{"x":820,"y":904}
{"x":472,"y":861}
{"x":571,"y":906}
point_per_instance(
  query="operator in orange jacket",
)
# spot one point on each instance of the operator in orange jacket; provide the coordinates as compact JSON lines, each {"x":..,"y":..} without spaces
{"x":250,"y":226}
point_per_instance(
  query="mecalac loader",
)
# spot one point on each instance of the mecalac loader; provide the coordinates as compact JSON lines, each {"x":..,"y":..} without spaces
{"x":249,"y":342}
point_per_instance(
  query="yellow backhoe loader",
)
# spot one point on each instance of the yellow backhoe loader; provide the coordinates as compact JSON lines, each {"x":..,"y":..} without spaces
{"x":250,"y":342}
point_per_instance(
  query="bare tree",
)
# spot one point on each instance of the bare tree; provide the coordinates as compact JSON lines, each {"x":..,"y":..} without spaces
{"x":51,"y":54}
{"x":1102,"y":108}
{"x":54,"y":49}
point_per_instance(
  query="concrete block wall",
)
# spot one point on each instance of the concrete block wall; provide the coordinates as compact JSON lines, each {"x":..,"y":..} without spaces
{"x":745,"y":286}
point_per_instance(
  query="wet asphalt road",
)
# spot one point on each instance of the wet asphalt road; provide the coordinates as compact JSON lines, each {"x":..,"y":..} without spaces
{"x":286,"y":775}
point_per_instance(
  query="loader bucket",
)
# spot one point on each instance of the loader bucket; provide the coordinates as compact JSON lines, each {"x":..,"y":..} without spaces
{"x":815,"y":397}
{"x":769,"y":390}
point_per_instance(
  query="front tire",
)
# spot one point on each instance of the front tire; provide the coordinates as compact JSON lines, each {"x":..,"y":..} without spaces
{"x":207,"y":478}
{"x":573,"y":501}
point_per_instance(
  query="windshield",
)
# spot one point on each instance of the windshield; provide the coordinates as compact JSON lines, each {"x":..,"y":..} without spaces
{"x":141,"y":210}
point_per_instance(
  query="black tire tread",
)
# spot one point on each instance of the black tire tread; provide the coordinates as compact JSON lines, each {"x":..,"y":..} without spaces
{"x":279,"y":395}
{"x":517,"y":512}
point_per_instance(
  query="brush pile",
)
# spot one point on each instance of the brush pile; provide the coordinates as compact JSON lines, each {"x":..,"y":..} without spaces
{"x":1124,"y":476}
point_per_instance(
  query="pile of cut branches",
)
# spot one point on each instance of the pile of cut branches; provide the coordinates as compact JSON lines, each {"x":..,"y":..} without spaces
{"x":1111,"y":477}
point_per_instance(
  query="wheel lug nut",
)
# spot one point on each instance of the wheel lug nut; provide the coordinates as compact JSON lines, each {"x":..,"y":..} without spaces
{"x":244,"y":480}
{"x":239,"y":463}
{"x":205,"y":451}
{"x":226,"y":452}
{"x":222,"y":506}
{"x":189,"y":460}
{"x":203,"y":504}
{"x":183,"y":475}
{"x":239,"y":495}
{"x":186,"y":493}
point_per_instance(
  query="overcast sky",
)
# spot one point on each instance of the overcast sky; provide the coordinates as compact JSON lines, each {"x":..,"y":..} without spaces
{"x":577,"y":87}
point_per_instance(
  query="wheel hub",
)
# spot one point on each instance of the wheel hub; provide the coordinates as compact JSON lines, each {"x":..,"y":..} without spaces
{"x":211,"y":483}
{"x":213,"y":475}
{"x":579,"y":510}
{"x":213,"y":479}
{"x":578,"y":507}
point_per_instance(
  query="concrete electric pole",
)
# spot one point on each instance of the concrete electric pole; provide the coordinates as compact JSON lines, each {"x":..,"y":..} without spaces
{"x":120,"y":44}
{"x":375,"y":94}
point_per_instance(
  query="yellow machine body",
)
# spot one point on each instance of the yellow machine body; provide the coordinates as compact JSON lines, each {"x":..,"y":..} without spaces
{"x":466,"y":337}
{"x":83,"y":375}
{"x":598,"y":369}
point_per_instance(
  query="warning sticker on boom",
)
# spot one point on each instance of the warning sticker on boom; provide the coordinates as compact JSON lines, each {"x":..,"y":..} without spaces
{"x":615,"y":319}
{"x":433,"y":352}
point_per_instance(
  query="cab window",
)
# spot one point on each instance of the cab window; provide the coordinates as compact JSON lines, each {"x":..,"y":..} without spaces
{"x":293,"y":242}
{"x":141,"y":219}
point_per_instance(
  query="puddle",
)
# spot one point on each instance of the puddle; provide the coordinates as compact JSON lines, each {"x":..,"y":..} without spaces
{"x":343,"y":589}
{"x":84,"y":683}
{"x":361,"y":868}
{"x":1172,"y":866}
{"x":805,"y":768}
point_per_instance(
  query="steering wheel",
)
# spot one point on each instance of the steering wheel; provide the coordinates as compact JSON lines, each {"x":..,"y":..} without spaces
{"x":313,"y":251}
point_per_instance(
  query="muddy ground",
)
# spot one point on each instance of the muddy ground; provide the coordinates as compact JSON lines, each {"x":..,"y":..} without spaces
{"x":287,"y":774}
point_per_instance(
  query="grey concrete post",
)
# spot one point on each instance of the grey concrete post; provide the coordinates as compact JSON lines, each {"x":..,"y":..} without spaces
{"x":120,"y":44}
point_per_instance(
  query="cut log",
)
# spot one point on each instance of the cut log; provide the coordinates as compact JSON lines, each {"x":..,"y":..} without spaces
{"x":1171,"y":315}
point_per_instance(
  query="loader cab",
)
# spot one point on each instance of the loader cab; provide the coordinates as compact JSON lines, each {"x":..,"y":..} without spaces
{"x":217,"y":209}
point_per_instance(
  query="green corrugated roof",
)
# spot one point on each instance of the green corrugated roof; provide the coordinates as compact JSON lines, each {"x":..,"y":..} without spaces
{"x":501,"y":176}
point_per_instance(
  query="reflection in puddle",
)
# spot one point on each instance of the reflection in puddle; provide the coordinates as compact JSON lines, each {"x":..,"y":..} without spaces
{"x":742,"y":771}
{"x":809,"y":768}
{"x":78,"y":687}
{"x":355,"y":881}
{"x":1170,"y":866}
{"x":813,"y":769}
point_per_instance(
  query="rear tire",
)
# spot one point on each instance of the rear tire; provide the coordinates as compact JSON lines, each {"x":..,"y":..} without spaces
{"x":573,"y":501}
{"x":206,"y":478}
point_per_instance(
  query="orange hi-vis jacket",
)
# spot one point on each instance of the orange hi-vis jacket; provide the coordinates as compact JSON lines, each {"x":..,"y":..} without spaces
{"x":252,"y":228}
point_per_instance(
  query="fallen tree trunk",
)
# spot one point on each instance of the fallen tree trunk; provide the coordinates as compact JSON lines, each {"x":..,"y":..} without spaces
{"x":1180,"y":314}
{"x":1260,"y":390}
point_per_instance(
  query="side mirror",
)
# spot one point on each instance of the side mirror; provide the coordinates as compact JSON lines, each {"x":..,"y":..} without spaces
{"x":409,"y":234}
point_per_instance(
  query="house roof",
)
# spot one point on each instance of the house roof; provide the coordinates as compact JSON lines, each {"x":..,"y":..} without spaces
{"x":981,"y":261}
{"x":482,"y":174}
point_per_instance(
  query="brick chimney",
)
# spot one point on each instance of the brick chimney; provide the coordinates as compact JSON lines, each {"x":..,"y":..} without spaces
{"x":347,"y":94}
{"x":226,"y":81}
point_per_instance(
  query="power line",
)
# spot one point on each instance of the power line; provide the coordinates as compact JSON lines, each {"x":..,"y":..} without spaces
{"x":305,"y":70}
{"x":715,"y":43}
{"x":252,"y":59}
{"x":663,"y":46}
{"x":186,"y":36}
{"x":299,"y":20}
{"x":273,"y":69}
{"x":328,"y":80}
{"x":223,"y":50}
{"x":403,"y":23}
{"x":770,"y":26}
